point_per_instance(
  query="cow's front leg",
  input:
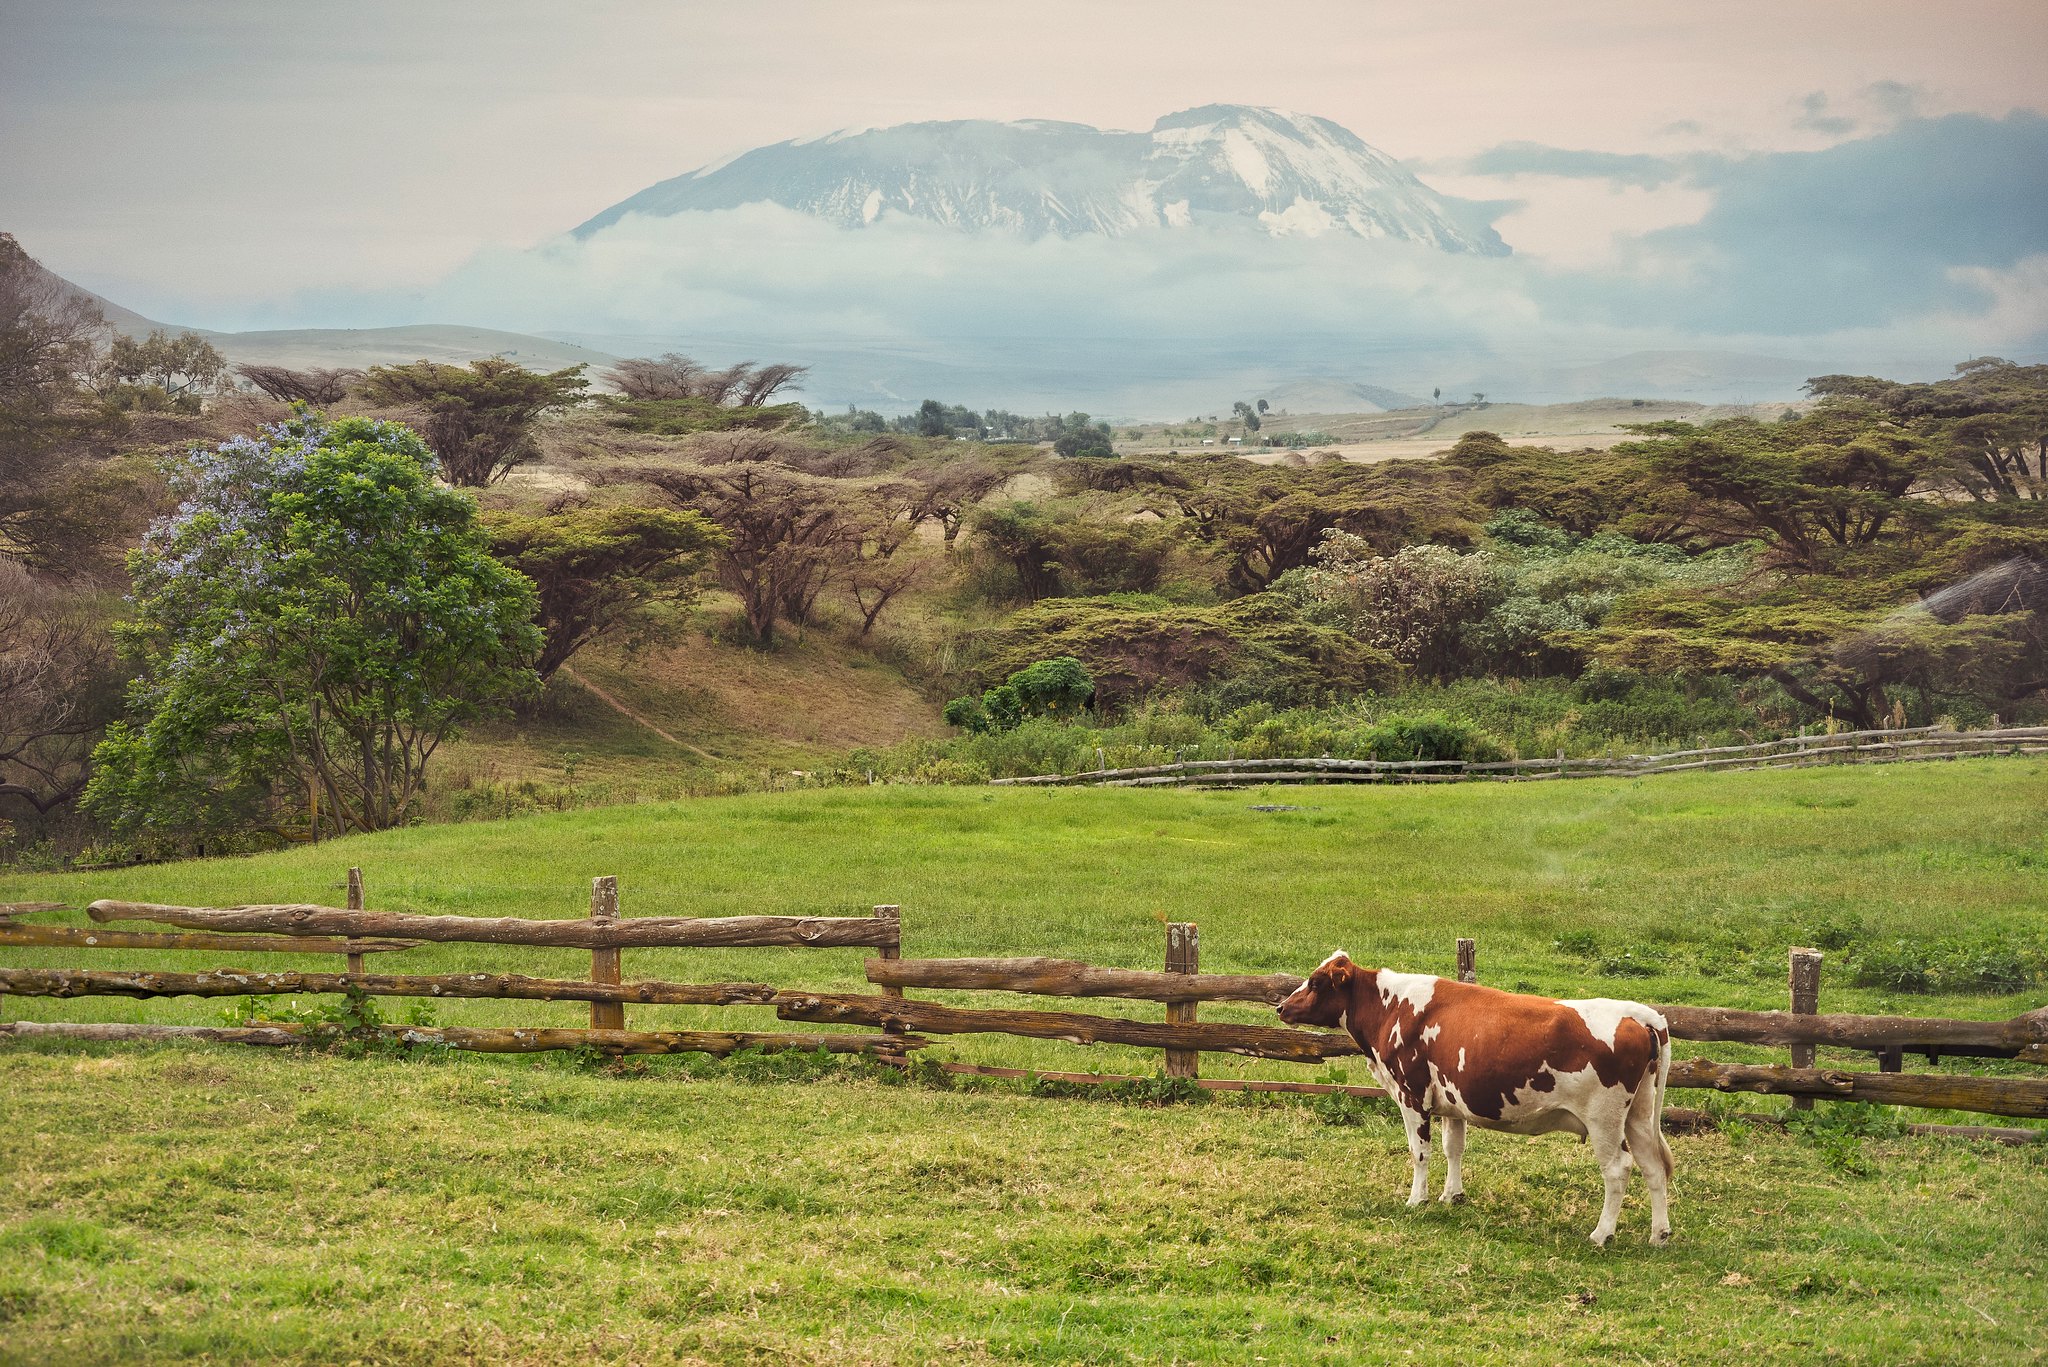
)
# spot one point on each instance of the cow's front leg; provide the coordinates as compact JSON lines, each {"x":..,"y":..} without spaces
{"x":1454,"y":1159}
{"x":1417,"y":1125}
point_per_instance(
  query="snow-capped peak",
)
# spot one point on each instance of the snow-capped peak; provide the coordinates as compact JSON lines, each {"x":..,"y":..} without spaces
{"x":1217,"y":165}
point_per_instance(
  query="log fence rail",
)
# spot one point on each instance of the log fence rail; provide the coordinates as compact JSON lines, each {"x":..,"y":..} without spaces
{"x":1843,"y":747}
{"x":903,"y":1023}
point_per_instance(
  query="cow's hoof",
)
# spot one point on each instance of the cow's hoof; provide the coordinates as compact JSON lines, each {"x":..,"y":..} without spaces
{"x":1415,"y":1201}
{"x":1453,"y":1198}
{"x":1600,"y":1240}
{"x":1660,"y":1236}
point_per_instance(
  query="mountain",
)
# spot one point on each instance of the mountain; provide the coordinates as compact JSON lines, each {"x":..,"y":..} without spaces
{"x":1219,"y":165}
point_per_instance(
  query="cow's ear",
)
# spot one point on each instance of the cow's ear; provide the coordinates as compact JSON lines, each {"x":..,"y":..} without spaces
{"x":1340,"y":968}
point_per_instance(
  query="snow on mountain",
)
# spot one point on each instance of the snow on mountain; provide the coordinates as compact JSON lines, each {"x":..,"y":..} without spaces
{"x":1219,"y":165}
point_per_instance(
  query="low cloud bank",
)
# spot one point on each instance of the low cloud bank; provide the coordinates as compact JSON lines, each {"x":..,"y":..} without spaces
{"x":1901,"y":252}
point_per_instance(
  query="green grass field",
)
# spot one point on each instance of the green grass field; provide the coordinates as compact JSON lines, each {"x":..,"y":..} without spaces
{"x":180,"y":1201}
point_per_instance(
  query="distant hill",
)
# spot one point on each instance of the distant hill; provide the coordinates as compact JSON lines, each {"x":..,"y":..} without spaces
{"x":1338,"y":396}
{"x":303,"y":348}
{"x":450,"y":343}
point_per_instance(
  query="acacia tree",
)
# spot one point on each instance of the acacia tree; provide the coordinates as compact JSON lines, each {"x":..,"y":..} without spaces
{"x":317,"y":386}
{"x":788,"y":534}
{"x":480,"y":418}
{"x":316,"y":618}
{"x":675,"y":376}
{"x":594,"y":566}
{"x":1812,"y":490}
{"x":1987,"y":424}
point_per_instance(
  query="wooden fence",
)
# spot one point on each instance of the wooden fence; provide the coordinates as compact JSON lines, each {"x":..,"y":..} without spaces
{"x":1793,"y":752}
{"x":901,"y":1024}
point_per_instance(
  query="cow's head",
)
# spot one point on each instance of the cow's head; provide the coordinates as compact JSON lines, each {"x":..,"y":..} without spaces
{"x":1325,"y":997}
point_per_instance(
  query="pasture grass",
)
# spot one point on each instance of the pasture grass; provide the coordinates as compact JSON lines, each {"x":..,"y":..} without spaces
{"x":240,"y":1205}
{"x":174,"y":1202}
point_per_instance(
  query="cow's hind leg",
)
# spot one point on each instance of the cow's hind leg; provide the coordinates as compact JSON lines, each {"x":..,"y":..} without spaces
{"x":1454,"y":1159}
{"x":1608,"y":1150}
{"x":1653,"y":1156}
{"x":1417,"y":1125}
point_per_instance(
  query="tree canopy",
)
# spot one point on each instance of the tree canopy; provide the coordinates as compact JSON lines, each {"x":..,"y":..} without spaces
{"x":314,"y":620}
{"x":478,"y":419}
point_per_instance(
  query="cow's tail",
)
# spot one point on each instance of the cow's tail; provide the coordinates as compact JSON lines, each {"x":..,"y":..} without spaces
{"x":1650,"y":1099}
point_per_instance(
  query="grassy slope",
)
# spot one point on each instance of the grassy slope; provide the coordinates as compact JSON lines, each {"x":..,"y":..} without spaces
{"x":168,"y":1201}
{"x":733,"y":713}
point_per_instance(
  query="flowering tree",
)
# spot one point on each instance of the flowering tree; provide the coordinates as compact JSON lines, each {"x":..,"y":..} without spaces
{"x":316,"y":617}
{"x":1415,"y":604}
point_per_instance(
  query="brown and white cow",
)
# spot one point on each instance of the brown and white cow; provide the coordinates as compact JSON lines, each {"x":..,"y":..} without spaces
{"x":1527,"y":1065}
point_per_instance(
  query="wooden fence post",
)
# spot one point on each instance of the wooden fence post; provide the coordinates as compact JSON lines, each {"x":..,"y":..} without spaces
{"x":1468,"y":961}
{"x":891,"y":951}
{"x":604,"y":963}
{"x":355,"y":903}
{"x":1803,"y":982}
{"x":1183,"y":955}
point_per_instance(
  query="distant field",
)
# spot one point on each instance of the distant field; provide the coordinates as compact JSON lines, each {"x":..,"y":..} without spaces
{"x":1414,"y":434}
{"x":179,"y":1202}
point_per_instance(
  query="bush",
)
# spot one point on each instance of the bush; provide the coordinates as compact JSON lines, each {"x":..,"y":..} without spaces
{"x":1132,"y":651}
{"x":1430,"y":735}
{"x":1060,"y":689}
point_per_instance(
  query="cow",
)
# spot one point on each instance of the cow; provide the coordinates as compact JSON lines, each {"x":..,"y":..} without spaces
{"x":1505,"y":1061}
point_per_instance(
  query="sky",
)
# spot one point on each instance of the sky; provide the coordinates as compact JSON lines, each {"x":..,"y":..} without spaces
{"x":231,"y":164}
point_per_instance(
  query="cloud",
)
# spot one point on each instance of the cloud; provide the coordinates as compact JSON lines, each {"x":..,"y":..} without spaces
{"x":1814,"y":117}
{"x":1863,"y":233}
{"x":1645,"y":170}
{"x":1902,"y":251}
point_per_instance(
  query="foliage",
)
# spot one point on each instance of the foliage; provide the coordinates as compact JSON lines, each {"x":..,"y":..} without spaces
{"x":1415,"y":604}
{"x":159,"y":371}
{"x":1058,"y":689}
{"x":675,"y":377}
{"x":56,"y":687}
{"x":1134,"y":646}
{"x":683,"y":416}
{"x":315,"y":619}
{"x":1813,"y":490}
{"x":787,"y":533}
{"x":1053,"y":552}
{"x":319,"y":386}
{"x":1264,"y":520}
{"x":479,"y":419}
{"x":593,"y":565}
{"x":1986,"y":426}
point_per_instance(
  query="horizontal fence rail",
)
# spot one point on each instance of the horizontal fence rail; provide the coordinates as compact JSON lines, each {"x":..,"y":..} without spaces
{"x":1925,"y":742}
{"x":508,"y":1040}
{"x":643,"y":932}
{"x":2022,"y":1037}
{"x":81,"y":937}
{"x":72,"y":982}
{"x":1072,"y":978}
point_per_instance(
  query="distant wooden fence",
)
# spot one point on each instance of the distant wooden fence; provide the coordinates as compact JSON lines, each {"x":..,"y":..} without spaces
{"x":903,"y":1024}
{"x":1793,"y":752}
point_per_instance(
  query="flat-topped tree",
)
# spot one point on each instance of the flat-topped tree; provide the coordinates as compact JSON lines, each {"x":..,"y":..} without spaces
{"x":480,"y":418}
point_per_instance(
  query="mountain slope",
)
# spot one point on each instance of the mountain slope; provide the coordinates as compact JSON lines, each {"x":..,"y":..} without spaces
{"x":1231,"y":165}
